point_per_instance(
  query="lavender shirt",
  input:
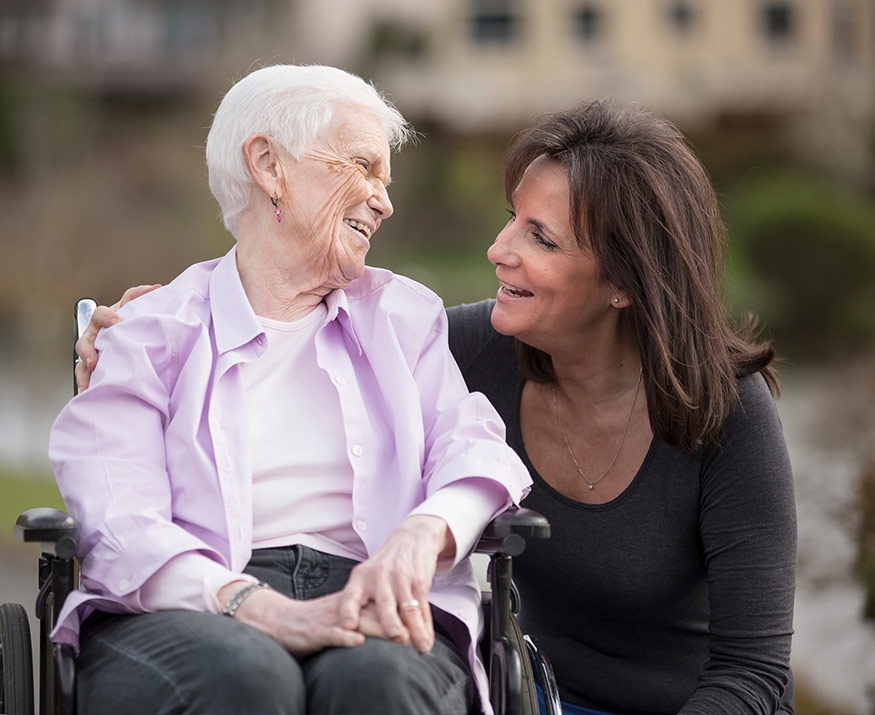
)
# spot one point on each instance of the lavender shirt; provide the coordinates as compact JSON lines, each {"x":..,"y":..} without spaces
{"x":153,"y":459}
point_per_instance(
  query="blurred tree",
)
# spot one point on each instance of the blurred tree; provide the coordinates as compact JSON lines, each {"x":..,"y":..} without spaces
{"x":809,"y":251}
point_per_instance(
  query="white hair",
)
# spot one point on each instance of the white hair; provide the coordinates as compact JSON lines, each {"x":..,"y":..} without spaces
{"x":292,"y":105}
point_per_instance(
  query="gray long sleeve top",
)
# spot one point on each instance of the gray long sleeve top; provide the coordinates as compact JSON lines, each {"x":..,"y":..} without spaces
{"x":677,"y":596}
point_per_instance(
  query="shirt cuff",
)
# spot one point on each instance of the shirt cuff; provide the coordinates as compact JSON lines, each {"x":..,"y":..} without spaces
{"x":190,"y":582}
{"x":467,"y":506}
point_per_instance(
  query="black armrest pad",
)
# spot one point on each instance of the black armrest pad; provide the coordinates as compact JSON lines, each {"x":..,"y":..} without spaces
{"x":507,"y":532}
{"x":45,"y":525}
{"x":525,"y":522}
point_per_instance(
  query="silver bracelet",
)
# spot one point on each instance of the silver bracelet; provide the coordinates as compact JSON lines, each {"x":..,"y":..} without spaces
{"x":231,"y":607}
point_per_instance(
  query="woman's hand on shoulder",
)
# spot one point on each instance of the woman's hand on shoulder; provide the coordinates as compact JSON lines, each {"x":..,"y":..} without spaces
{"x":103,"y":317}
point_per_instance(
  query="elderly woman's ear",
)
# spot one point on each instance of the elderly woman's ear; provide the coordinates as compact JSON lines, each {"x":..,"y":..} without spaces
{"x":263,"y":161}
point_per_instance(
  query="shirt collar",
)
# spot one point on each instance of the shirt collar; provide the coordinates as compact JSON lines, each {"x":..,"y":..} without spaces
{"x":234,"y":321}
{"x":338,"y":309}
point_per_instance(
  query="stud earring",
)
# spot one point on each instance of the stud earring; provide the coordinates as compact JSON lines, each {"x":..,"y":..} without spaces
{"x":616,"y":300}
{"x":276,"y":210}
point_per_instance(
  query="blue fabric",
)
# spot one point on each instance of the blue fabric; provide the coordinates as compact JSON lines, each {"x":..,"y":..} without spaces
{"x":567,"y":708}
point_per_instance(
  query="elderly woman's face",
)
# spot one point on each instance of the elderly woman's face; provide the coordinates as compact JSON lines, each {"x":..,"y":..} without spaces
{"x":336,"y":196}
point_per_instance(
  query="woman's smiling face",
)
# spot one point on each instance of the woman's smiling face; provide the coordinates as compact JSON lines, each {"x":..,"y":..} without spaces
{"x":550,"y":291}
{"x":337,"y":196}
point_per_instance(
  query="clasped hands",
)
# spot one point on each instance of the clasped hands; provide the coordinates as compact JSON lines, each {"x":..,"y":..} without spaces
{"x":385,"y":597}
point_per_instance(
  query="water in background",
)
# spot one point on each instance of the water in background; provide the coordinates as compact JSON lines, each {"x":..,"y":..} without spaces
{"x":829,"y":422}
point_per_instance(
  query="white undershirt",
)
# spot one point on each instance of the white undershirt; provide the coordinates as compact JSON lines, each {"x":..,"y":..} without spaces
{"x":301,"y":476}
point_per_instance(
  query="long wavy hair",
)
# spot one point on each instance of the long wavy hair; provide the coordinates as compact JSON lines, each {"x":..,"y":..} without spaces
{"x":643,"y":205}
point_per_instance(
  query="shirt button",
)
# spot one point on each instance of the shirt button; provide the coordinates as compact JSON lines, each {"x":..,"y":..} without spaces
{"x":357,"y":450}
{"x":340,"y":379}
{"x":362,"y":525}
{"x":123,"y":584}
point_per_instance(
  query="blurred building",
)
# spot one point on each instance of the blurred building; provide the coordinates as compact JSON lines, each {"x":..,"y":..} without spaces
{"x":502,"y":61}
{"x":473,"y":64}
{"x":137,"y":46}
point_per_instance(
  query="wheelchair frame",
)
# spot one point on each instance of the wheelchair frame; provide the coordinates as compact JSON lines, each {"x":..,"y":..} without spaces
{"x":513,"y":661}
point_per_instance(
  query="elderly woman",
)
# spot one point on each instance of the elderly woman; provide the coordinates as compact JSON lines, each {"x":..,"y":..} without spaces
{"x":646,"y":420}
{"x":278,"y":470}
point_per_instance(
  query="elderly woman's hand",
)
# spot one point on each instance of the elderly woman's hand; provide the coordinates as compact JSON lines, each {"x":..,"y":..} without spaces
{"x":396,"y":580}
{"x":304,"y":627}
{"x":102,"y":317}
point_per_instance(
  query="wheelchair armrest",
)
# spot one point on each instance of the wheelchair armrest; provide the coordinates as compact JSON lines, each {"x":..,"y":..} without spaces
{"x":507,"y":533}
{"x":55,"y":530}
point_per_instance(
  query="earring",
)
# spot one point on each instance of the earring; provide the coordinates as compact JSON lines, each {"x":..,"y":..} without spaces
{"x":616,"y":300}
{"x":276,"y":210}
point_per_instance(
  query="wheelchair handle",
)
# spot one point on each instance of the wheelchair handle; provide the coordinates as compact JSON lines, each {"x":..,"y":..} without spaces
{"x":84,"y":308}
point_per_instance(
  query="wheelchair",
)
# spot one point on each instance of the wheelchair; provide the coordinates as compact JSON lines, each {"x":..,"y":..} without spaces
{"x":513,"y":661}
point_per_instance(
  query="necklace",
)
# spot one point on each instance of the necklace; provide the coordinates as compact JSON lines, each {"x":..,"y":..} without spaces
{"x":591,"y":484}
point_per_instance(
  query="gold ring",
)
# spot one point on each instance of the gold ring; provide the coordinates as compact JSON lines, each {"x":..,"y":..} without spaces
{"x":405,"y":605}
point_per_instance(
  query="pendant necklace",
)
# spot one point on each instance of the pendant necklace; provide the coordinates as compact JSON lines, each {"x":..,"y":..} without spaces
{"x":590,"y":483}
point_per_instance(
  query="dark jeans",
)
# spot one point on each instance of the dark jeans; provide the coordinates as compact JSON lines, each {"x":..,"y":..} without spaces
{"x":191,"y":662}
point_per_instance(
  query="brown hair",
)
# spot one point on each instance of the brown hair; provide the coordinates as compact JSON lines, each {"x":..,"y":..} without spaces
{"x":642,"y":203}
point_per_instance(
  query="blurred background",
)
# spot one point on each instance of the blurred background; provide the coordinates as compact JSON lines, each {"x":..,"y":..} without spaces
{"x":104,"y":109}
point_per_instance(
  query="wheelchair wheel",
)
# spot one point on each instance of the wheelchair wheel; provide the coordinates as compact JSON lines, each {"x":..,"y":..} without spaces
{"x":16,"y":659}
{"x":529,"y":695}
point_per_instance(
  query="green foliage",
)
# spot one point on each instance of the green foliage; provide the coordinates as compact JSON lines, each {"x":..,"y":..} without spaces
{"x":448,"y":192}
{"x":449,"y":203}
{"x":803,"y":254}
{"x":459,"y":275}
{"x":22,"y":491}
